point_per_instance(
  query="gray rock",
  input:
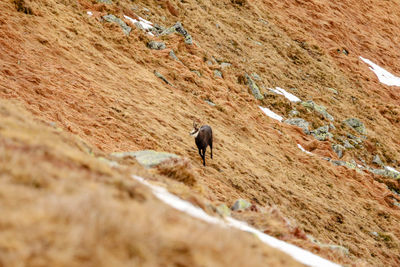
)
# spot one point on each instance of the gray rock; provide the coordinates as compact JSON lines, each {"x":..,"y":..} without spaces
{"x":241,"y":204}
{"x":331,"y":126}
{"x":255,"y":76}
{"x":322,"y":133}
{"x":347,"y":144}
{"x":111,"y":18}
{"x":218,"y":73}
{"x":254,"y":88}
{"x":209,"y":63}
{"x":172,"y":55}
{"x":223,"y":210}
{"x":225,"y":65}
{"x":210,"y":103}
{"x":356,"y":124}
{"x":303,"y":124}
{"x":319,"y":109}
{"x":147,"y":158}
{"x":386,"y":172}
{"x":196,"y":72}
{"x":294,"y":113}
{"x":333,"y":91}
{"x":159,"y":75}
{"x":339,"y":149}
{"x":109,"y":2}
{"x":156,"y":45}
{"x":377,"y":160}
{"x":178,"y":28}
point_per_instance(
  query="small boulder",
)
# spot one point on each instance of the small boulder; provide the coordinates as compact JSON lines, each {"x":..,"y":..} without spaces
{"x":241,"y":204}
{"x":111,"y":18}
{"x":303,"y":124}
{"x":377,"y":160}
{"x":223,"y":210}
{"x":147,"y":158}
{"x":356,"y":124}
{"x":218,"y":73}
{"x":318,"y":108}
{"x":254,"y":88}
{"x":322,"y":133}
{"x":156,"y":45}
{"x":172,"y":55}
{"x":339,"y":150}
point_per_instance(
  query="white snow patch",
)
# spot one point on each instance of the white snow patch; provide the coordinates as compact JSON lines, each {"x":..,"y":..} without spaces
{"x":383,"y":75}
{"x":89,"y":13}
{"x":144,"y":23}
{"x":302,"y":149}
{"x":289,"y":96}
{"x":391,"y":169}
{"x":271,"y":114}
{"x":301,"y":255}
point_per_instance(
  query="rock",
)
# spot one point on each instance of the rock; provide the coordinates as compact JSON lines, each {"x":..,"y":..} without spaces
{"x":356,"y":124}
{"x":347,"y":144}
{"x":254,"y":88}
{"x":110,"y":163}
{"x":344,"y":163}
{"x":109,"y":2}
{"x":196,"y":72}
{"x":322,"y":133}
{"x":294,"y":113}
{"x":255,"y":76}
{"x":354,"y":140}
{"x":147,"y":158}
{"x":241,"y":204}
{"x":303,"y":124}
{"x":218,"y":73}
{"x":377,"y":160}
{"x":209,"y":63}
{"x":225,"y":65}
{"x":156,"y":45}
{"x":178,"y":28}
{"x":223,"y":210}
{"x":111,"y":18}
{"x":320,"y":109}
{"x":210,"y":103}
{"x":338,"y":150}
{"x":391,"y":173}
{"x":333,"y":91}
{"x":331,"y":126}
{"x":330,"y":246}
{"x":159,"y":75}
{"x":172,"y":55}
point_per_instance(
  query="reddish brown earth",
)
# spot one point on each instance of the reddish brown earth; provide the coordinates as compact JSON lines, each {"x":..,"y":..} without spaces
{"x":74,"y":88}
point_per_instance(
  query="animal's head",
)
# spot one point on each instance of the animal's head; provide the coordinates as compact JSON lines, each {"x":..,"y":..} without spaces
{"x":195,"y":130}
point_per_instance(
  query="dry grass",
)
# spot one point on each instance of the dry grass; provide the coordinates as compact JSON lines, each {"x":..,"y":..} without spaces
{"x":179,"y":170}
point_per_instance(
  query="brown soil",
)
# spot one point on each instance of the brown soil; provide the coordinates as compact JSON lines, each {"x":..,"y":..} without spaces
{"x":75,"y":88}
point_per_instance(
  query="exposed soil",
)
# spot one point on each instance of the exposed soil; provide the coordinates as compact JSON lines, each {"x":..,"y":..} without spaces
{"x":75,"y":88}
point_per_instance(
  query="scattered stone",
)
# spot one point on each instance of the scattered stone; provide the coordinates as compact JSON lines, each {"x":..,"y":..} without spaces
{"x":109,"y":2}
{"x":241,"y":204}
{"x":111,"y":163}
{"x":210,"y":103}
{"x":331,"y":126}
{"x":354,"y":140}
{"x":375,"y":234}
{"x":322,"y":133}
{"x":172,"y":55}
{"x":339,"y":149}
{"x":303,"y":124}
{"x":377,"y":160}
{"x":147,"y":158}
{"x":209,"y":63}
{"x":196,"y":72}
{"x":333,"y":91}
{"x":386,"y":172}
{"x":255,"y":76}
{"x":225,"y":65}
{"x":356,"y":124}
{"x":320,"y":109}
{"x":156,"y":45}
{"x":264,"y":21}
{"x":294,"y":113}
{"x":218,"y":73}
{"x":254,"y":88}
{"x":159,"y":75}
{"x":223,"y":210}
{"x":178,"y":28}
{"x":347,"y":144}
{"x":111,"y":18}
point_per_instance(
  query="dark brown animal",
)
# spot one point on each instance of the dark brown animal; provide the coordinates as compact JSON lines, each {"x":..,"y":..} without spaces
{"x":203,"y":138}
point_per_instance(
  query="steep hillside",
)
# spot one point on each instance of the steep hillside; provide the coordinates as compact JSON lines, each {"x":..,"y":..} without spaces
{"x":76,"y":87}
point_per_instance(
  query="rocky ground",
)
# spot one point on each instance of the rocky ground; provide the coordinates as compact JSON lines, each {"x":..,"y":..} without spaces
{"x":87,"y":86}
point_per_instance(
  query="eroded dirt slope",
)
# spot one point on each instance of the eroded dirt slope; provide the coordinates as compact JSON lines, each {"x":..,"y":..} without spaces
{"x":84,"y":76}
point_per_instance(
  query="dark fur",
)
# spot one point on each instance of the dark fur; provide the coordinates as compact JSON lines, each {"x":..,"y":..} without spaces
{"x":204,"y":139}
